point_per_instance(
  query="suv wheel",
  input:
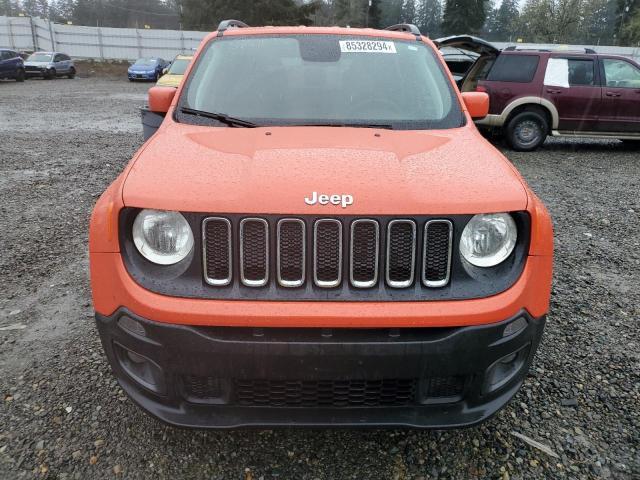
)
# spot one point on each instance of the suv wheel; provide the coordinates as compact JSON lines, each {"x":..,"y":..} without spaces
{"x":50,"y":74}
{"x":20,"y":76}
{"x":72,"y":73}
{"x":527,"y":130}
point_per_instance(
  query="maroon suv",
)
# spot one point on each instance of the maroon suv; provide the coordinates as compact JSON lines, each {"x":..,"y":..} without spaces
{"x":535,"y":93}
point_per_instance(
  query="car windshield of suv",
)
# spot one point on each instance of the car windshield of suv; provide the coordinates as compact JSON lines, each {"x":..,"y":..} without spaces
{"x":322,"y":80}
{"x":146,"y":62}
{"x":179,"y":66}
{"x":39,"y":57}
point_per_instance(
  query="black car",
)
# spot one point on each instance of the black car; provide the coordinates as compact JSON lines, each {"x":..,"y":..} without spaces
{"x":11,"y":65}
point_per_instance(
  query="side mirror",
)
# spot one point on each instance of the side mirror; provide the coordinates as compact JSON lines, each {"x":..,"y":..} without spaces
{"x":477,"y":104}
{"x":160,"y":98}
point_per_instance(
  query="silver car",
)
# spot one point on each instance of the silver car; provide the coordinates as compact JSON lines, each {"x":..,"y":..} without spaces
{"x":49,"y":65}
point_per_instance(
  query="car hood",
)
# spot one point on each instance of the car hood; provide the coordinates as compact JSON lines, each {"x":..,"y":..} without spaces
{"x":36,"y":64}
{"x":169,"y":80}
{"x":272,"y":170}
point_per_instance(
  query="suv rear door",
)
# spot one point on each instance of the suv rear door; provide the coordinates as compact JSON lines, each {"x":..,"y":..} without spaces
{"x":572,"y":84}
{"x":620,"y":96}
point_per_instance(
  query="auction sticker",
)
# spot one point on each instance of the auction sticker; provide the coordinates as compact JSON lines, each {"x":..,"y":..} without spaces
{"x":367,"y":46}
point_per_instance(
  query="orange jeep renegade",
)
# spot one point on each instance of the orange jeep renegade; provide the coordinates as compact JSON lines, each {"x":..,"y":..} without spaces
{"x":317,"y":234}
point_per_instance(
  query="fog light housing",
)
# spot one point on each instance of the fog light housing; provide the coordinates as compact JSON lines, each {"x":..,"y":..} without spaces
{"x":132,"y":326}
{"x":514,"y":327}
{"x":141,"y":369}
{"x":505,"y":369}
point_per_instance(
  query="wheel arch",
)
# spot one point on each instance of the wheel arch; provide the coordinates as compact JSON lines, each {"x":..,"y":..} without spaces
{"x":521,"y":104}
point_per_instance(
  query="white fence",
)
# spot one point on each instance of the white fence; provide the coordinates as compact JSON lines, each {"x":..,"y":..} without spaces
{"x":25,"y":33}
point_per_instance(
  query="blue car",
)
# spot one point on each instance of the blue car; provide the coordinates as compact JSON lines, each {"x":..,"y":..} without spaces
{"x":147,"y":69}
{"x":11,"y":65}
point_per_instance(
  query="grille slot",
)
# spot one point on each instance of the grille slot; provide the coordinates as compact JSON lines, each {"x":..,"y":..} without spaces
{"x":291,"y":252}
{"x":401,"y":253}
{"x":436,"y":259}
{"x":254,"y":252}
{"x":217,"y":251}
{"x":202,"y":388}
{"x":442,"y":389}
{"x":325,"y":393}
{"x":327,"y":253}
{"x":365,"y":251}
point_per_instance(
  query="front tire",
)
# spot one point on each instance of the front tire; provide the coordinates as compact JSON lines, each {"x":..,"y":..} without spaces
{"x":527,"y":130}
{"x":20,"y":76}
{"x":50,"y":74}
{"x":72,"y":74}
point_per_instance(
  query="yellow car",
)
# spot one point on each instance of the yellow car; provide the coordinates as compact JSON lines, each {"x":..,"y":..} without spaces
{"x":173,"y":75}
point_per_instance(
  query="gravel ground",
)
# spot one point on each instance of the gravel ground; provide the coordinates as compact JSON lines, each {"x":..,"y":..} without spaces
{"x":62,"y":414}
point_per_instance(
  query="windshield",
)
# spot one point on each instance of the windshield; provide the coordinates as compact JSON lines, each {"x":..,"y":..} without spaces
{"x":322,"y":80}
{"x":39,"y":57}
{"x":146,"y":62}
{"x":179,"y":66}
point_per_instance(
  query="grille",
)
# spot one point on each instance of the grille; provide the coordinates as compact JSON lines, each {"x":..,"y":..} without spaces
{"x":291,"y":252}
{"x":387,"y":392}
{"x":437,"y":253}
{"x":365,"y":250}
{"x":327,"y":253}
{"x":401,"y":253}
{"x":377,"y":251}
{"x":325,"y":393}
{"x":217,"y":251}
{"x":254,"y":252}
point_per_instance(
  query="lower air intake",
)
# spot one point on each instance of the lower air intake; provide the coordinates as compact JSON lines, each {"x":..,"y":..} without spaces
{"x":325,"y":393}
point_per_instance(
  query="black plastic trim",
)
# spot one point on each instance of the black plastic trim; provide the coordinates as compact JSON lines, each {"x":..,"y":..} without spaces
{"x":406,"y":27}
{"x":227,"y":24}
{"x":229,"y":353}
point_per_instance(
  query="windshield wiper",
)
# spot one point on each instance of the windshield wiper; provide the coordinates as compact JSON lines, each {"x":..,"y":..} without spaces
{"x":221,"y":117}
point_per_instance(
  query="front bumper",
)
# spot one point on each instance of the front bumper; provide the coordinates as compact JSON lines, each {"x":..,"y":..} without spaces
{"x":225,"y":377}
{"x":141,"y":76}
{"x":37,"y":72}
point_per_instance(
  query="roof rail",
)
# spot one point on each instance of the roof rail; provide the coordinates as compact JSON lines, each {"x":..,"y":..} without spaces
{"x":513,"y":48}
{"x":227,"y":24}
{"x":406,"y":27}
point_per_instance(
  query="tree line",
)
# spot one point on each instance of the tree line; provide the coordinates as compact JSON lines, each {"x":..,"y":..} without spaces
{"x":599,"y":22}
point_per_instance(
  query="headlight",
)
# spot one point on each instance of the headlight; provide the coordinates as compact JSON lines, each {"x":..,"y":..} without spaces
{"x":488,"y":239}
{"x":162,"y":237}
